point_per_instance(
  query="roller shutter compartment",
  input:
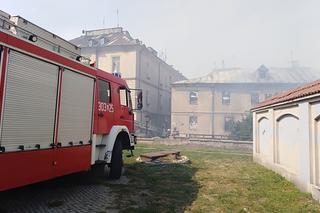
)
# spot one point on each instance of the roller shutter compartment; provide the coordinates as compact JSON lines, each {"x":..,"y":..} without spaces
{"x":29,"y":103}
{"x":76,"y":107}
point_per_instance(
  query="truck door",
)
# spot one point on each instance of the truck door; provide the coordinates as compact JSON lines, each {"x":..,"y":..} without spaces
{"x":126,"y":115}
{"x":105,"y":107}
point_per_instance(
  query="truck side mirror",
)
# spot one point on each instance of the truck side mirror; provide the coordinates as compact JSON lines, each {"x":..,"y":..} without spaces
{"x":139,"y":99}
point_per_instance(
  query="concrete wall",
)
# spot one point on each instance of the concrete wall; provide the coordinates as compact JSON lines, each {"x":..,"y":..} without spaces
{"x":286,"y":141}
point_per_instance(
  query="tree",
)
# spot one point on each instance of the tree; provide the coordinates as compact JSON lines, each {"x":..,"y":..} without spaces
{"x":242,"y":130}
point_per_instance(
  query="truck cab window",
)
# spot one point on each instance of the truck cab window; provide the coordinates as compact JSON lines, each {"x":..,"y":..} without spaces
{"x":123,"y":97}
{"x":104,"y":91}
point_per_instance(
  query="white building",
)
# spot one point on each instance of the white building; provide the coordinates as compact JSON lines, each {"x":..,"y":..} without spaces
{"x":286,"y":133}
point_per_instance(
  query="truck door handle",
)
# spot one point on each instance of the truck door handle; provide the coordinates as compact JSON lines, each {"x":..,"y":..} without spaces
{"x":100,"y":114}
{"x":121,"y":117}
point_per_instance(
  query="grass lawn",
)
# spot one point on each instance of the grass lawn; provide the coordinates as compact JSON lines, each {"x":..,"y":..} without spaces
{"x":214,"y":181}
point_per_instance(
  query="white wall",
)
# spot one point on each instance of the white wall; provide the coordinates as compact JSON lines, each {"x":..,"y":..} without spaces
{"x":287,"y":140}
{"x":287,"y":130}
{"x":264,"y":137}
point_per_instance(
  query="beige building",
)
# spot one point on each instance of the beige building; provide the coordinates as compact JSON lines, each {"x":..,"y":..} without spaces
{"x":210,"y":104}
{"x":114,"y":50}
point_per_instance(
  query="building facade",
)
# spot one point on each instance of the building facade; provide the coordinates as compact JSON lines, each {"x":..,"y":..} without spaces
{"x":114,"y":50}
{"x":211,"y":104}
{"x":286,"y":132}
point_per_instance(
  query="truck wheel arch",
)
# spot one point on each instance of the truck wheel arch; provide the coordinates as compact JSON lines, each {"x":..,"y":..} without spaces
{"x":116,"y":132}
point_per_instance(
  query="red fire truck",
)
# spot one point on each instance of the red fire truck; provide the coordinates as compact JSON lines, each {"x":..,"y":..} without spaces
{"x":59,"y":115}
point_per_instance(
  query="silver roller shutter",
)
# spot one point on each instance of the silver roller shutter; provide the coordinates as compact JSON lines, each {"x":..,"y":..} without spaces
{"x":75,"y":108}
{"x":30,"y":102}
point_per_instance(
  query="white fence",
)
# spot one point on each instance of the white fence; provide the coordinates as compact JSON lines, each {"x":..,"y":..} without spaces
{"x":286,"y":139}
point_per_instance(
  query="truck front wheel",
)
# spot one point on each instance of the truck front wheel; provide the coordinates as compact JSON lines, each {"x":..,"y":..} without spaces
{"x":116,"y":161}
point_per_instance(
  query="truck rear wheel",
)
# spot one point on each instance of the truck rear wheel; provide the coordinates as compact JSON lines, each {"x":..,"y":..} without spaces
{"x":116,"y":161}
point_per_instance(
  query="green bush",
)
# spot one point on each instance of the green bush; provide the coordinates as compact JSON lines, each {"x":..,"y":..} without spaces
{"x":242,"y":130}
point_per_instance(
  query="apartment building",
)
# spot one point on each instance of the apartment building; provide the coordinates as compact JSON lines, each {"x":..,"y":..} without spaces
{"x":210,"y":104}
{"x":114,"y":50}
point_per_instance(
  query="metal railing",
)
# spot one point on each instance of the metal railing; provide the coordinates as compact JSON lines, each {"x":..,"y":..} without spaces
{"x":147,"y":128}
{"x":212,"y":137}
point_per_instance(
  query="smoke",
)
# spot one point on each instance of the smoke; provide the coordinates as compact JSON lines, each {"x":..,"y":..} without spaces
{"x":195,"y":35}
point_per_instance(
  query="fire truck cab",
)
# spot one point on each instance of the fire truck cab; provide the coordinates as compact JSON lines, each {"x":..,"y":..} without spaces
{"x":58,"y":114}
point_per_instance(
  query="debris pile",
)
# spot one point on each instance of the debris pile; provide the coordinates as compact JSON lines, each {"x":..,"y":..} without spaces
{"x":163,"y":157}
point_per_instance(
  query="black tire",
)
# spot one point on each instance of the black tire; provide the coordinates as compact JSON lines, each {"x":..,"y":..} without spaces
{"x":116,"y":161}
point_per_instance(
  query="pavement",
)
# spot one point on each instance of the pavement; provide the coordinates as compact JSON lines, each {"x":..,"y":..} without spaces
{"x":82,"y":192}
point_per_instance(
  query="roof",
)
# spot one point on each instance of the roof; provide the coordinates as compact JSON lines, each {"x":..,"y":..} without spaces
{"x":293,"y":94}
{"x":295,"y":74}
{"x":105,"y":37}
{"x":114,"y":37}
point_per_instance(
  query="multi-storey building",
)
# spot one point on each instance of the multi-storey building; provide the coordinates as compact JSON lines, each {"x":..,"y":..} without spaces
{"x":114,"y":50}
{"x":209,"y":105}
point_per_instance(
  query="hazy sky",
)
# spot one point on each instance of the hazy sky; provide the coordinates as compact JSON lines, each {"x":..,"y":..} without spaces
{"x":196,"y":35}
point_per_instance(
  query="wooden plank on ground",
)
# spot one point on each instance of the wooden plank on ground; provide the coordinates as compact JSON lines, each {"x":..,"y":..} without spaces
{"x":155,"y":155}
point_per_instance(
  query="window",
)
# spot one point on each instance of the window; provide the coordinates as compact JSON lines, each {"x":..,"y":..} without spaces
{"x":104,"y":91}
{"x":90,"y":44}
{"x":102,"y":41}
{"x":228,"y":123}
{"x":193,"y":122}
{"x":225,"y":98}
{"x":56,"y":48}
{"x":254,"y":98}
{"x":116,"y":64}
{"x":123,"y":97}
{"x":193,"y":97}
